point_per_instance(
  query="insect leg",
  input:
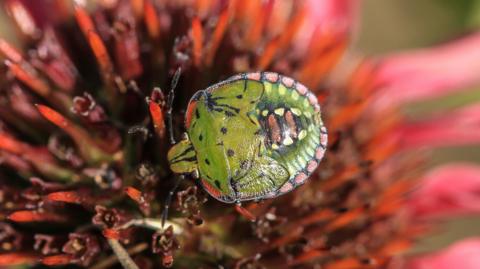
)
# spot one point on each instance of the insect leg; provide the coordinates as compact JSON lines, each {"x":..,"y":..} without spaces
{"x":168,"y":201}
{"x":244,"y":212}
{"x":171,"y":96}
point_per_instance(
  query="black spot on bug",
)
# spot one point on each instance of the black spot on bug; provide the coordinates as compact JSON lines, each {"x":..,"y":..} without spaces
{"x":197,"y":114}
{"x":217,"y":183}
{"x":244,"y":165}
{"x":223,"y":130}
{"x":239,"y":96}
{"x":253,"y":102}
{"x":200,"y":137}
{"x":230,"y":152}
{"x":207,"y":161}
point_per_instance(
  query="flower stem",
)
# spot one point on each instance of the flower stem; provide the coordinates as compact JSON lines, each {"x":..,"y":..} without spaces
{"x":108,"y":262}
{"x":151,"y":223}
{"x":122,"y":255}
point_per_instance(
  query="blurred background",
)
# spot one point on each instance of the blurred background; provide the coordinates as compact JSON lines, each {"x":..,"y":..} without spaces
{"x":395,"y":25}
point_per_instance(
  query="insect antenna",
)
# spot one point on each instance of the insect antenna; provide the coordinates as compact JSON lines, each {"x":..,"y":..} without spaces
{"x":171,"y":96}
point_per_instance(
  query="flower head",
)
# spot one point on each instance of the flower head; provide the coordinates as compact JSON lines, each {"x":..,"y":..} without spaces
{"x":82,"y":248}
{"x":164,"y":243}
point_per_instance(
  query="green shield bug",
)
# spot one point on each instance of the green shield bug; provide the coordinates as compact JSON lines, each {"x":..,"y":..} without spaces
{"x":253,"y":136}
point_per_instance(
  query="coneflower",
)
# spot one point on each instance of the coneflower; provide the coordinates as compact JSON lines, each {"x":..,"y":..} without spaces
{"x":83,"y":138}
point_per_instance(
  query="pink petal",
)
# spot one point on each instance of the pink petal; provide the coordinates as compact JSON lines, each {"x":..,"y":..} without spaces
{"x":333,"y":14}
{"x":460,"y":127}
{"x":426,"y":73}
{"x":461,"y":255}
{"x":447,"y":190}
{"x":327,"y":17}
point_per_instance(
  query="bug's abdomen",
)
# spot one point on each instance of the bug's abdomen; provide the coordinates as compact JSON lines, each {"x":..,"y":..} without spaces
{"x":282,"y":127}
{"x":293,"y":131}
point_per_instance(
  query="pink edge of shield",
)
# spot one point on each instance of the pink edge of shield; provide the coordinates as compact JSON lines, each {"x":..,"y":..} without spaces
{"x":254,"y":76}
{"x":312,"y":165}
{"x":236,"y":77}
{"x":286,"y":187}
{"x":271,"y":77}
{"x":319,"y":153}
{"x":324,"y":138}
{"x":288,"y":82}
{"x":270,"y":195}
{"x":312,"y":99}
{"x":301,"y":89}
{"x":300,"y":178}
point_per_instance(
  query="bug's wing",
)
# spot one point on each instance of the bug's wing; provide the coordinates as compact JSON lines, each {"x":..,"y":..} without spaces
{"x":264,"y":177}
{"x":236,"y":97}
{"x":210,"y":154}
{"x":230,"y":139}
{"x":253,"y":176}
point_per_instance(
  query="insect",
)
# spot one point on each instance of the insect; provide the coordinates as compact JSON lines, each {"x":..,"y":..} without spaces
{"x":253,"y":136}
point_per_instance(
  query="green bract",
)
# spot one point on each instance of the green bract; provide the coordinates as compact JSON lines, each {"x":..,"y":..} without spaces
{"x":253,"y":136}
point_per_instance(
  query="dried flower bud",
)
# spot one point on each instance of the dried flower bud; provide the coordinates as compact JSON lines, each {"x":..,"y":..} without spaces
{"x":157,"y":96}
{"x":105,"y":177}
{"x":142,"y":199}
{"x":82,"y":247}
{"x":164,"y":243}
{"x":10,"y":240}
{"x":63,"y":148}
{"x":33,"y":196}
{"x":189,"y":202}
{"x":108,"y":218}
{"x":147,"y":174}
{"x":265,"y":225}
{"x":86,"y":107}
{"x":46,"y":244}
{"x":181,"y":54}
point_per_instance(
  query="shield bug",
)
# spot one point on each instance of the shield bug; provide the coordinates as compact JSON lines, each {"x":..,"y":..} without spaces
{"x":253,"y":136}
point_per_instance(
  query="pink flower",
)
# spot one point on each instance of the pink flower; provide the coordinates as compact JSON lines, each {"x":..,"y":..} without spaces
{"x":326,"y":17}
{"x":452,"y":189}
{"x":338,"y":15}
{"x":459,"y":127}
{"x":426,"y":73}
{"x":448,"y":190}
{"x":462,"y":255}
